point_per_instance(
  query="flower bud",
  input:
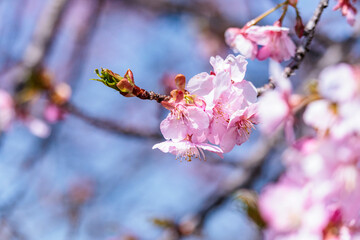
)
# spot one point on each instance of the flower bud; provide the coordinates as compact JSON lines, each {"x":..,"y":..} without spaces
{"x":180,"y":82}
{"x":129,"y":76}
{"x":293,"y":2}
{"x":126,"y":86}
{"x":299,"y":27}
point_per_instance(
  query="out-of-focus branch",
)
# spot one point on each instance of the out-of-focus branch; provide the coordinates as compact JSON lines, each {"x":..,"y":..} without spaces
{"x":108,"y":125}
{"x":251,"y":172}
{"x":217,"y":21}
{"x":303,"y":47}
{"x":42,"y":40}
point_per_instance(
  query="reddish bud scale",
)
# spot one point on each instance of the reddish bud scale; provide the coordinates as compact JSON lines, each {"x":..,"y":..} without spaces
{"x":180,"y":82}
{"x":299,"y":27}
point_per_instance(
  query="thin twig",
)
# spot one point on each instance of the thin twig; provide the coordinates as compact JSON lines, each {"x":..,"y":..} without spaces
{"x":309,"y":32}
{"x":108,"y":125}
{"x":252,"y":170}
{"x":42,"y":40}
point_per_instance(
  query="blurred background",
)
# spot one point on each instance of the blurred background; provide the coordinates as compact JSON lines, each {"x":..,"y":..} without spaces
{"x":86,"y":170}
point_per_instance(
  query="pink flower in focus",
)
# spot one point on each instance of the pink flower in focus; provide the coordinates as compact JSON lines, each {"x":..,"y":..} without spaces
{"x":225,"y":93}
{"x":275,"y":41}
{"x":240,"y":42}
{"x":239,"y":128}
{"x":347,"y":10}
{"x":235,"y":66}
{"x":186,"y":149}
{"x":183,"y":121}
{"x":202,"y":112}
{"x":7,"y":111}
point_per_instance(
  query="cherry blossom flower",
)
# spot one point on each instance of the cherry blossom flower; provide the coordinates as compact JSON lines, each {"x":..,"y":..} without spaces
{"x":337,"y":113}
{"x":347,"y":10}
{"x":274,"y":39}
{"x":238,"y":39}
{"x":318,"y":193}
{"x":187,"y":149}
{"x":337,"y":83}
{"x":235,"y":66}
{"x":183,"y":121}
{"x":7,"y":111}
{"x":37,"y":127}
{"x":275,"y":107}
{"x":53,"y":113}
{"x":225,"y":92}
{"x":212,"y":106}
{"x":291,"y":213}
{"x":239,"y":128}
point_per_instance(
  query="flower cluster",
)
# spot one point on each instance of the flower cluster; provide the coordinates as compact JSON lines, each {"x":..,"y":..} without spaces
{"x":274,"y":40}
{"x":19,"y":108}
{"x":319,"y":192}
{"x":217,"y":108}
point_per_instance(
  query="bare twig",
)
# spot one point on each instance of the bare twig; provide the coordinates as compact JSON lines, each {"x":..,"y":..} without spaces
{"x":309,"y":32}
{"x":108,"y":125}
{"x":43,"y":39}
{"x":252,"y":170}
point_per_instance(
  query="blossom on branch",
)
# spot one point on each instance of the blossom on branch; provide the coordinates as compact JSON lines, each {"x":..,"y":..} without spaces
{"x":318,"y":195}
{"x":219,"y":108}
{"x":275,"y":41}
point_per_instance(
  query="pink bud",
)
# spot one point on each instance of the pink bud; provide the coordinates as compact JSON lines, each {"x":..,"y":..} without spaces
{"x":293,"y":2}
{"x":299,"y":27}
{"x":180,"y":82}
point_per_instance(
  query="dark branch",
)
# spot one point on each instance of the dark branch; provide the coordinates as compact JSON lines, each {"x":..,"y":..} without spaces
{"x":309,"y":32}
{"x":108,"y":125}
{"x":42,"y":40}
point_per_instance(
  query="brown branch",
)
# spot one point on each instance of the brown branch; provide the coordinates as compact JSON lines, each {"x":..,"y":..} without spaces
{"x":108,"y":125}
{"x":309,"y":32}
{"x":252,"y":170}
{"x":43,"y":39}
{"x":303,"y":47}
{"x":149,"y":95}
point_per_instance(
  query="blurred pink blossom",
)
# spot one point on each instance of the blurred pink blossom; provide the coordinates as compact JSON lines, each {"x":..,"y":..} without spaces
{"x":347,"y":10}
{"x":7,"y":111}
{"x":275,"y":106}
{"x":239,"y":40}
